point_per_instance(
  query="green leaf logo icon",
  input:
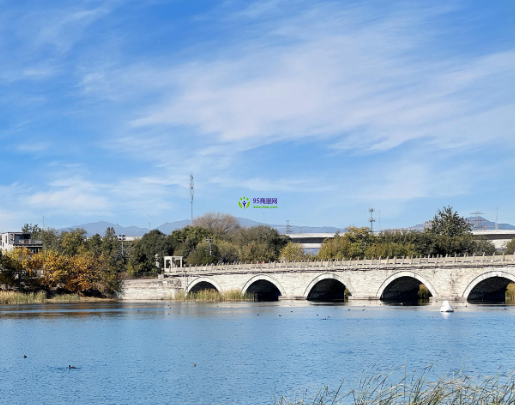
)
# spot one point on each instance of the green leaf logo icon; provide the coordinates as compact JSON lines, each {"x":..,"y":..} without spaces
{"x":244,"y":202}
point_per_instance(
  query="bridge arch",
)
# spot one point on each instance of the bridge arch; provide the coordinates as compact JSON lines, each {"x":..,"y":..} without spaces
{"x":498,"y":281}
{"x":328,"y":276}
{"x":263,"y":281}
{"x":201,"y":282}
{"x":409,"y":274}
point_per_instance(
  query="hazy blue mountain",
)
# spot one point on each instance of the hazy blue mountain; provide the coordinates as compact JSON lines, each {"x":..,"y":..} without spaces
{"x":101,"y":226}
{"x":168,"y":227}
{"x":481,"y":222}
{"x":484,"y":223}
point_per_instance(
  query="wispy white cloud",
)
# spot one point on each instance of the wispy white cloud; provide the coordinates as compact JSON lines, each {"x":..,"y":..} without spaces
{"x":304,"y":185}
{"x":73,"y":195}
{"x":367,"y":83}
{"x":346,"y":80}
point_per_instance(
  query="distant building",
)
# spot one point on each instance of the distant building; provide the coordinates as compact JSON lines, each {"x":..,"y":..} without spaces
{"x":13,"y":240}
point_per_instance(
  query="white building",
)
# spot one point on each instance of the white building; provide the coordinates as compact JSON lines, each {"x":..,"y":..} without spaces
{"x":13,"y":240}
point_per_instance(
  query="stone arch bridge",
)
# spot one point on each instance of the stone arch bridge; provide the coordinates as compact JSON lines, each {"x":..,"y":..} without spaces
{"x":451,"y":278}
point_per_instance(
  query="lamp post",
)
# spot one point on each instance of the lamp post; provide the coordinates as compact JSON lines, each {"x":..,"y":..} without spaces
{"x":209,"y":240}
{"x":122,"y":238}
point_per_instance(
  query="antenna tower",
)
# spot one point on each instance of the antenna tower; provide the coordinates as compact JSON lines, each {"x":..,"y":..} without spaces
{"x":288,"y":230}
{"x":191,"y":194}
{"x":496,"y":219}
{"x":477,"y":220}
{"x":371,"y":219}
{"x":148,"y":219}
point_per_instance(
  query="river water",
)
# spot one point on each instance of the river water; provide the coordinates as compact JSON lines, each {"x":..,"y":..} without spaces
{"x":245,"y":353}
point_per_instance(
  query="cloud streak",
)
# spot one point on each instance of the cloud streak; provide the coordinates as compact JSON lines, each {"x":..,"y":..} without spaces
{"x":367,"y":87}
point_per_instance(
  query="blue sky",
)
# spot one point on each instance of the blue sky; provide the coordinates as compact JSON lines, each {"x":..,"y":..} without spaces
{"x":332,"y":107}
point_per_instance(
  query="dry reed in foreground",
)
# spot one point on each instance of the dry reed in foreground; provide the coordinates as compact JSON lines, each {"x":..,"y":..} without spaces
{"x":214,"y":296}
{"x":457,"y":390}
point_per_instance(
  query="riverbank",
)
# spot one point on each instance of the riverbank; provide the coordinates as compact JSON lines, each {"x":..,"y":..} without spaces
{"x":17,"y":298}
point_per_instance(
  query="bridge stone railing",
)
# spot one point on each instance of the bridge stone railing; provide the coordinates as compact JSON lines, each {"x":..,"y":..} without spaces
{"x":347,"y":264}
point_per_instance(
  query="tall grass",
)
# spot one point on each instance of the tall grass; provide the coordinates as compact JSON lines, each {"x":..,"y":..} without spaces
{"x":510,"y":291}
{"x":66,"y":298}
{"x":211,"y":295}
{"x":423,"y":292}
{"x":461,"y":389}
{"x":15,"y":298}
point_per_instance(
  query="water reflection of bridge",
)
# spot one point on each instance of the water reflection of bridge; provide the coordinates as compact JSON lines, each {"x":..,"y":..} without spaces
{"x":453,"y":278}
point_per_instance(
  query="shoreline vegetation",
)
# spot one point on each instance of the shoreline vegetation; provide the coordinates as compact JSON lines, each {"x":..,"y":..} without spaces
{"x":416,"y":389}
{"x":211,"y":295}
{"x":95,"y":266}
{"x":18,"y":298}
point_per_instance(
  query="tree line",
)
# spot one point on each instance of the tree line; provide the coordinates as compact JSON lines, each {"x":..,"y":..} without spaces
{"x":95,"y":265}
{"x":446,"y":234}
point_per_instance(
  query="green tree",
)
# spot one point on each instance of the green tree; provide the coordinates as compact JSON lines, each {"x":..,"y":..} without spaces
{"x":292,"y":252}
{"x":335,"y":248}
{"x":203,"y":254}
{"x":72,"y":242}
{"x":257,"y":252}
{"x":510,"y":247}
{"x":29,"y":228}
{"x":483,"y":245}
{"x":184,"y":241}
{"x":112,"y":248}
{"x":94,"y":245}
{"x":49,"y":238}
{"x":390,"y":250}
{"x":261,"y":235}
{"x":143,"y":255}
{"x":228,"y":252}
{"x":447,"y":222}
{"x":8,"y":270}
{"x":352,"y":244}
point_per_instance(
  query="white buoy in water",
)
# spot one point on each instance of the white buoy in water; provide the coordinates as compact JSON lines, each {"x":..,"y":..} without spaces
{"x":446,"y":307}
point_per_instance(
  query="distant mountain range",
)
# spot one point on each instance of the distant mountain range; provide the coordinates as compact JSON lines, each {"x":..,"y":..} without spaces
{"x":168,"y":227}
{"x":478,"y":223}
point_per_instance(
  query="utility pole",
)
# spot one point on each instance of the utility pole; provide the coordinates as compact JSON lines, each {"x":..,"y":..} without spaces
{"x":371,"y":219}
{"x":191,"y":194}
{"x":477,"y":219}
{"x":380,"y":229}
{"x":496,"y":219}
{"x":148,"y":219}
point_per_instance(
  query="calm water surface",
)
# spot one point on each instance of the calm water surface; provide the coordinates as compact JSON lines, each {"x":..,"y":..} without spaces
{"x":143,"y":353}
